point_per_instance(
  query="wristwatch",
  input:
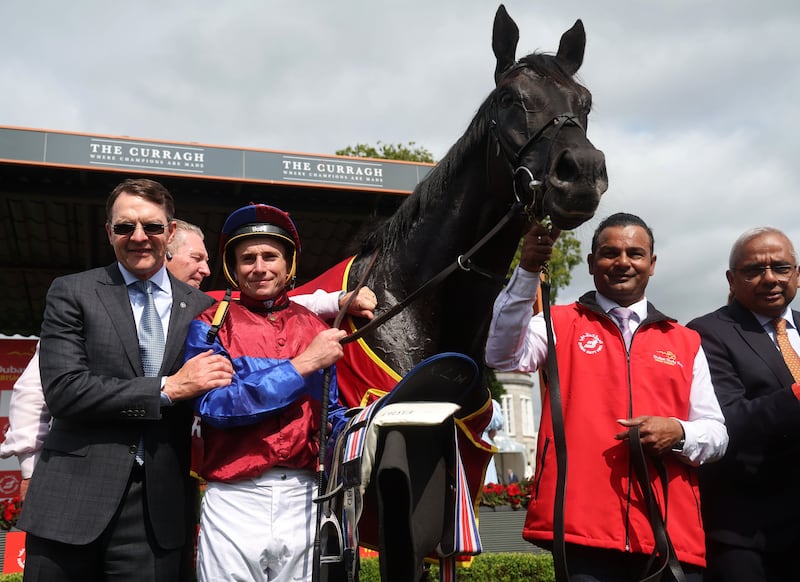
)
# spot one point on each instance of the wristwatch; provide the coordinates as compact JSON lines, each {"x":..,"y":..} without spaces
{"x":678,"y":447}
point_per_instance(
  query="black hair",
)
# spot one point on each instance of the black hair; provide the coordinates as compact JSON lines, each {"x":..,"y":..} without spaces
{"x":622,"y":219}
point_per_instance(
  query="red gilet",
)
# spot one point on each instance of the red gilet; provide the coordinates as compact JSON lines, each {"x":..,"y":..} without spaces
{"x":604,"y":507}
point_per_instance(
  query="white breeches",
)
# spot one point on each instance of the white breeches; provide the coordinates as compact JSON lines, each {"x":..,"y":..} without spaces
{"x":259,"y":529}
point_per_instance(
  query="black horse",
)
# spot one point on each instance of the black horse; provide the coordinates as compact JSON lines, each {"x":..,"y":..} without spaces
{"x":526,"y":146}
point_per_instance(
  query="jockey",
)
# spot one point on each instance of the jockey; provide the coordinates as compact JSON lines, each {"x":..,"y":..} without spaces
{"x":261,"y":431}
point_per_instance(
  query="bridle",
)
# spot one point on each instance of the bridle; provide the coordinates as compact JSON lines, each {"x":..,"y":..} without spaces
{"x":522,"y":175}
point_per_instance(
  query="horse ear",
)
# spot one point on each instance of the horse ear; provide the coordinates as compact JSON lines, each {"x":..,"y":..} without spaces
{"x":505,"y":36}
{"x":571,"y":47}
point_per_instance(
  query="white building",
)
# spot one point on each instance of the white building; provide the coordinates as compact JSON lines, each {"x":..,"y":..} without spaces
{"x":522,"y":409}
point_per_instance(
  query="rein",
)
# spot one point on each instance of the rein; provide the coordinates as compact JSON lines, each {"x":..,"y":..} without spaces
{"x":559,"y":440}
{"x":534,"y":206}
{"x":461,"y":262}
{"x":322,"y":484}
{"x":663,"y":548}
{"x":524,"y":176}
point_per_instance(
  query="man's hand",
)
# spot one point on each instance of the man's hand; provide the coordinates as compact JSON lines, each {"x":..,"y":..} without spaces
{"x":657,"y":434}
{"x":198,"y":375}
{"x":323,"y":351}
{"x":23,"y":488}
{"x":363,"y":304}
{"x":537,"y":247}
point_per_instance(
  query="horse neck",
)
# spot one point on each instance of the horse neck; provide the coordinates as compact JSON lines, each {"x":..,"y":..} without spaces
{"x":454,"y":213}
{"x":453,"y":316}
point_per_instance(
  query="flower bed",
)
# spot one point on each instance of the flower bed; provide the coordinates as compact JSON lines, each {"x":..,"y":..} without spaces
{"x":514,"y":495}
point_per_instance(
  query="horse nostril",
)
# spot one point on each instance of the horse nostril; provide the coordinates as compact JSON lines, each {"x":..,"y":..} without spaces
{"x":566,"y":167}
{"x":571,"y":166}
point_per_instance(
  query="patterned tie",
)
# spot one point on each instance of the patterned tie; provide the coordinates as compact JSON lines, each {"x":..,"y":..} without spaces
{"x":787,"y":351}
{"x":623,"y":316}
{"x":151,"y":333}
{"x":151,"y":343}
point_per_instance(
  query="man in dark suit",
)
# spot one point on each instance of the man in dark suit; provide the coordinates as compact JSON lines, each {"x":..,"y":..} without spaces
{"x":111,"y":494}
{"x":751,"y":498}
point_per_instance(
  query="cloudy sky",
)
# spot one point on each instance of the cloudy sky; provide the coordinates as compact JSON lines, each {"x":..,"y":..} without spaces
{"x":695,"y":101}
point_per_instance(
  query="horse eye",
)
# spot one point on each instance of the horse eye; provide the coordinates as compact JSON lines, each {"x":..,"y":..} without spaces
{"x":506,"y":99}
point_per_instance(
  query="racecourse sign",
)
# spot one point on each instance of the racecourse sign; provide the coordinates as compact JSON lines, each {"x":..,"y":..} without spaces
{"x":122,"y":154}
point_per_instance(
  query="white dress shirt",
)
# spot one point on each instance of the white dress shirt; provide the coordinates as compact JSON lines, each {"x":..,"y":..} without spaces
{"x":791,"y":330}
{"x":28,"y":419}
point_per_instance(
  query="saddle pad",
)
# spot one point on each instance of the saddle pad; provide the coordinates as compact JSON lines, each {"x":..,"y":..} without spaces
{"x":445,"y":377}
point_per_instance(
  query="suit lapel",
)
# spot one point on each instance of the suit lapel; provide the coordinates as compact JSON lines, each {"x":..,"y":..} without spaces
{"x":113,"y":294}
{"x":753,"y":333}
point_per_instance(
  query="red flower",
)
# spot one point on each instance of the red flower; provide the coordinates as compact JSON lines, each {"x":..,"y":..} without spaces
{"x":10,"y":512}
{"x":517,"y":495}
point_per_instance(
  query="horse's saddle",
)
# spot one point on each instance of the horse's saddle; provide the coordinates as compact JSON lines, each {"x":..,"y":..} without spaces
{"x":399,"y":457}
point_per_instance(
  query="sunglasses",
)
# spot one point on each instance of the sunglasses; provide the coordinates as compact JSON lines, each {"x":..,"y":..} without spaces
{"x":126,"y":228}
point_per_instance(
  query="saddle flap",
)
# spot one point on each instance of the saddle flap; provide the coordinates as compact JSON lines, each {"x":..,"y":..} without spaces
{"x":415,"y":413}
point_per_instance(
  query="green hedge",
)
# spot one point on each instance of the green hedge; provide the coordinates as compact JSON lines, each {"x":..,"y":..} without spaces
{"x":494,"y":567}
{"x":10,"y":577}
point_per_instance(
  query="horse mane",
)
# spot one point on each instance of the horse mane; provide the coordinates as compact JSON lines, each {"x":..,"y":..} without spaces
{"x":429,"y":192}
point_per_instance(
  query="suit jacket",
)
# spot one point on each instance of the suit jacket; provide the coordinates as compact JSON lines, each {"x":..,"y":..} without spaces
{"x":102,"y":404}
{"x":751,"y":498}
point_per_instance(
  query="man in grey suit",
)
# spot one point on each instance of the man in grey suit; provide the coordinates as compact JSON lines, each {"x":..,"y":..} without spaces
{"x":751,"y":498}
{"x":111,"y":494}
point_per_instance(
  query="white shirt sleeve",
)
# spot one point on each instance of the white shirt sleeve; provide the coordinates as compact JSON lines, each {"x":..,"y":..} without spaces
{"x":706,"y":438}
{"x":324,"y":304}
{"x":29,"y":419}
{"x":517,"y":341}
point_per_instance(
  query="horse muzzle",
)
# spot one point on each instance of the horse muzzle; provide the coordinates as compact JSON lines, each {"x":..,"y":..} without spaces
{"x":573,"y":186}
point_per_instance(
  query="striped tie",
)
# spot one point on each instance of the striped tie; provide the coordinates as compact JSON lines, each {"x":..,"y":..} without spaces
{"x":151,"y":333}
{"x":787,"y":351}
{"x":151,"y":343}
{"x":623,"y":316}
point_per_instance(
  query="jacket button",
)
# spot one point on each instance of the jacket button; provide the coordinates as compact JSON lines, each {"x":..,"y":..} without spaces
{"x":132,"y":449}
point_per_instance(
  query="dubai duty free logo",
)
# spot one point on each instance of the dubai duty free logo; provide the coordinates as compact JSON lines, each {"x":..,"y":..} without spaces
{"x":590,"y":343}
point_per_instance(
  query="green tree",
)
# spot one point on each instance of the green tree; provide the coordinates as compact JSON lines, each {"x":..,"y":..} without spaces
{"x":407,"y":153}
{"x":495,"y":386}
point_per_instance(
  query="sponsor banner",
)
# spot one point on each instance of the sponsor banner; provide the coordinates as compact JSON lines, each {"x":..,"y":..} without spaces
{"x":14,"y":555}
{"x":156,"y":157}
{"x":9,"y":484}
{"x":14,"y":357}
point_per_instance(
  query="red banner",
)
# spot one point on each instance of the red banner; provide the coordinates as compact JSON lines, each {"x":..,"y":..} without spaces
{"x":14,"y":557}
{"x":14,"y":357}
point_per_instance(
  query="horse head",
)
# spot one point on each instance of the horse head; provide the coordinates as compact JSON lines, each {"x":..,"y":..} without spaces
{"x":539,"y":119}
